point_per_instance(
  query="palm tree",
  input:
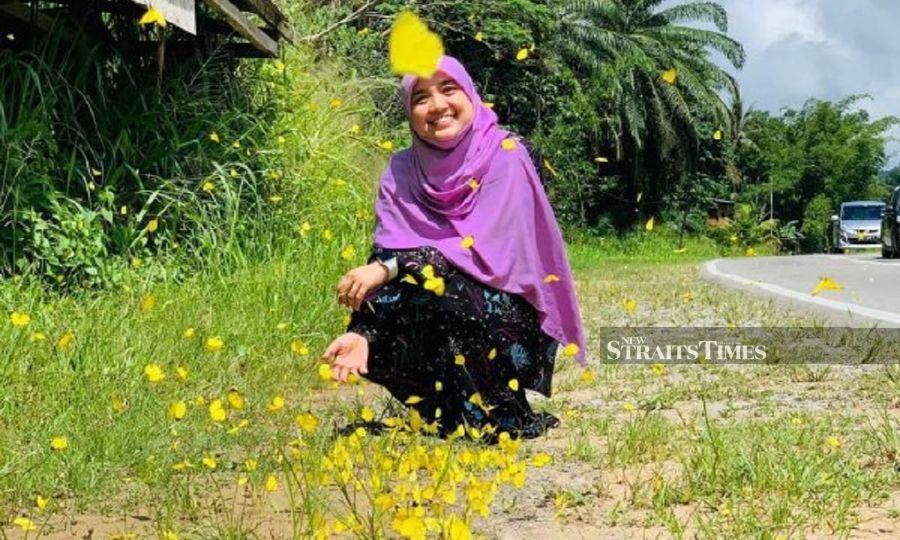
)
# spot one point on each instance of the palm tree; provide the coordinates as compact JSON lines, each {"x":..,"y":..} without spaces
{"x":655,"y":83}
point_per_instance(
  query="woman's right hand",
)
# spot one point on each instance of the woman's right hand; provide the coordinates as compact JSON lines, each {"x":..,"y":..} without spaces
{"x":351,"y":355}
{"x":356,"y":284}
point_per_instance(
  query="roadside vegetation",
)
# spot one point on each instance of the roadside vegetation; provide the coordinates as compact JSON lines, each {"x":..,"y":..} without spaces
{"x":169,"y":254}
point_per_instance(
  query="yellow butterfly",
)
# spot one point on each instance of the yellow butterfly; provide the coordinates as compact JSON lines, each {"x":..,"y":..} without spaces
{"x":412,"y":48}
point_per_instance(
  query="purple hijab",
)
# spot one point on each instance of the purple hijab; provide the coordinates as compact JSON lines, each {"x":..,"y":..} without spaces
{"x":425,"y":198}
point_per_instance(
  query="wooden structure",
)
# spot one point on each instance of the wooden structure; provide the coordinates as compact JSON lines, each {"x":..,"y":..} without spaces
{"x":720,"y":212}
{"x":244,"y":27}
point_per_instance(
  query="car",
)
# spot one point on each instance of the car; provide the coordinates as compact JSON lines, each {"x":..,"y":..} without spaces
{"x":890,"y":227}
{"x":857,"y":225}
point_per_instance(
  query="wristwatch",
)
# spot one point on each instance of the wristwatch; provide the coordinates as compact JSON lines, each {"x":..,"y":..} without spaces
{"x":391,"y":266}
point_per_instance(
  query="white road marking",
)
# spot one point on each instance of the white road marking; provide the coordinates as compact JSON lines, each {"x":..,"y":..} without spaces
{"x":886,"y":316}
{"x":878,"y":262}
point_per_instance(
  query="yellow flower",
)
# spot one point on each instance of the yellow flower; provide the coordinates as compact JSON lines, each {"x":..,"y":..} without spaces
{"x":467,"y":242}
{"x":833,"y":442}
{"x":236,"y":144}
{"x":412,"y":400}
{"x":459,"y":360}
{"x":717,"y":135}
{"x":279,"y":66}
{"x":630,"y":305}
{"x":235,"y":400}
{"x":188,"y":333}
{"x":27,"y":525}
{"x":438,"y":386}
{"x":276,"y":404}
{"x":571,"y":349}
{"x":513,"y":385}
{"x":59,"y":443}
{"x":169,"y":535}
{"x":473,"y":183}
{"x":432,"y":282}
{"x":541,"y":459}
{"x":148,"y":303}
{"x":522,"y":54}
{"x":136,"y":262}
{"x":657,"y":369}
{"x":271,"y":483}
{"x":299,"y":348}
{"x":550,"y":278}
{"x":649,"y":224}
{"x":118,"y":404}
{"x":629,"y":406}
{"x":670,"y":75}
{"x":488,"y":104}
{"x":154,"y":373}
{"x":38,"y":336}
{"x":276,"y":198}
{"x":280,"y":139}
{"x":826,"y":284}
{"x":307,"y":422}
{"x":208,"y":186}
{"x":217,"y":411}
{"x":347,"y":252}
{"x":214,"y":344}
{"x":214,"y":137}
{"x":335,"y":103}
{"x":587,"y":376}
{"x":177,"y":410}
{"x":304,"y":228}
{"x":387,"y":145}
{"x":41,"y":503}
{"x":750,"y":252}
{"x":153,"y":16}
{"x":210,"y":462}
{"x":355,"y":129}
{"x":366,"y":414}
{"x":479,"y":36}
{"x":458,"y":529}
{"x":19,"y":319}
{"x":492,"y":353}
{"x":413,"y":527}
{"x":325,"y":372}
{"x":508,"y":144}
{"x":153,"y":225}
{"x":412,"y":48}
{"x":182,"y":373}
{"x":327,"y":234}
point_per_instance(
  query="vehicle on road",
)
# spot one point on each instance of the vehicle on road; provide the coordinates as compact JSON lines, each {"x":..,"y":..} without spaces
{"x":857,"y":225}
{"x":890,"y":227}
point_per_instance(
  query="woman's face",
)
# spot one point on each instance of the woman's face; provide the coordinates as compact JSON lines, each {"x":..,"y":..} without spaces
{"x":439,"y":107}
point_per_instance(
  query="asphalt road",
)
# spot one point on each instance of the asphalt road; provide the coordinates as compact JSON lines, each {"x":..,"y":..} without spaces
{"x":871,"y":285}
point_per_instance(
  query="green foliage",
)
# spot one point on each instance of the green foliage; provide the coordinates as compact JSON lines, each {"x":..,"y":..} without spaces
{"x":816,"y":222}
{"x":824,"y":152}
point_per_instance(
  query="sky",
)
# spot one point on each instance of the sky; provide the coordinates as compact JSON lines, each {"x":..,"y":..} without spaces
{"x":827,"y":49}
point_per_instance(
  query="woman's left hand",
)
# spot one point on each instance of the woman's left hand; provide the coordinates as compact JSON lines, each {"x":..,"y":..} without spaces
{"x":356,"y":284}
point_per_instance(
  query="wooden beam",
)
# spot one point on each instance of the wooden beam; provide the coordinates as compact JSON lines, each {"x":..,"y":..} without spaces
{"x":272,"y":15}
{"x":245,"y":27}
{"x":23,"y":13}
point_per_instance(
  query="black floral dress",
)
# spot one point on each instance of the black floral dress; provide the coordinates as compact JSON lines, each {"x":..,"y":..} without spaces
{"x":464,"y":354}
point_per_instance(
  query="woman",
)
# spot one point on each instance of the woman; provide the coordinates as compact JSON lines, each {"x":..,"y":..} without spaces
{"x":468,"y":292}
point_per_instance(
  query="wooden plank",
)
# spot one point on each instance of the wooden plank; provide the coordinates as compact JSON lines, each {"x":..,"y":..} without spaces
{"x":23,"y":13}
{"x":270,"y":13}
{"x":178,"y":12}
{"x":245,"y":27}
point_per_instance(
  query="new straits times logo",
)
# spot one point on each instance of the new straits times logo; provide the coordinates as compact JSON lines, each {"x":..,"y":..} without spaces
{"x":637,"y":349}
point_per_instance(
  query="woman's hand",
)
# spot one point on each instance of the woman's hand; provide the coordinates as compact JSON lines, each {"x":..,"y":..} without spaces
{"x":351,"y":355}
{"x":356,"y":284}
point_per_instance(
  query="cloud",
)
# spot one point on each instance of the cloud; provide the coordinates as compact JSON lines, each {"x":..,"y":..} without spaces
{"x":827,"y":49}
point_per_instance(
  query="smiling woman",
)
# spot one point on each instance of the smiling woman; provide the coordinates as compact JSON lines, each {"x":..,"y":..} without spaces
{"x":475,"y":293}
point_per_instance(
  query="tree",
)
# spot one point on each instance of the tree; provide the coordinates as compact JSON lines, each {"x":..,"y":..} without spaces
{"x":657,"y":89}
